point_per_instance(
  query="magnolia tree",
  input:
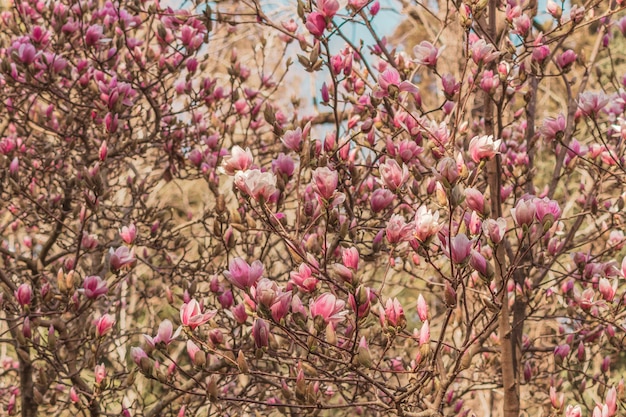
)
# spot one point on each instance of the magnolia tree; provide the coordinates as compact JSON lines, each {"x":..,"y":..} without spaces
{"x":440,"y":233}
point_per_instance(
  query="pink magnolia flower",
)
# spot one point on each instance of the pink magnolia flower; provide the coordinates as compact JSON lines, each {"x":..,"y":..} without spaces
{"x":27,"y":53}
{"x":325,"y":182}
{"x":483,"y":147}
{"x":380,"y":199}
{"x":566,"y":59}
{"x":280,"y":306}
{"x":121,"y":257}
{"x":258,"y":185}
{"x":521,"y":25}
{"x":427,"y":54}
{"x":89,"y":241}
{"x":556,"y":399}
{"x":260,"y":333}
{"x":424,"y":336}
{"x":191,"y":315}
{"x":289,"y":25}
{"x":422,"y":308}
{"x":483,"y":52}
{"x":93,"y":35}
{"x":94,"y":287}
{"x":460,"y":248}
{"x":450,"y":85}
{"x":524,"y":212}
{"x":393,"y":176}
{"x":555,"y":11}
{"x":137,"y":354}
{"x":590,"y":103}
{"x":104,"y":324}
{"x":573,"y":411}
{"x":495,"y":229}
{"x":611,"y":401}
{"x":238,"y":160}
{"x":350,"y":258}
{"x":165,"y":334}
{"x":361,"y":302}
{"x":283,"y":165}
{"x":303,"y":278}
{"x":129,"y":233}
{"x":398,"y":230}
{"x":540,"y":52}
{"x":546,"y":208}
{"x":553,"y":128}
{"x":242,"y":275}
{"x":316,"y":24}
{"x":192,"y":349}
{"x":394,"y":313}
{"x":264,"y":292}
{"x":426,"y":224}
{"x":328,"y":7}
{"x":489,"y":82}
{"x":292,"y":139}
{"x":329,"y":308}
{"x":24,"y":294}
{"x":606,"y":289}
{"x":475,"y":200}
{"x":100,"y":373}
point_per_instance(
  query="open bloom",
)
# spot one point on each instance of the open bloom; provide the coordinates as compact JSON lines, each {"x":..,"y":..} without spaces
{"x":104,"y":324}
{"x":94,"y":287}
{"x":238,"y":160}
{"x":393,"y":176}
{"x":426,"y":224}
{"x":165,"y":334}
{"x":191,"y":315}
{"x":304,"y":279}
{"x":242,"y":275}
{"x":329,"y":308}
{"x":122,"y":257}
{"x":483,"y":147}
{"x":258,"y":185}
{"x":325,"y":182}
{"x":426,"y":54}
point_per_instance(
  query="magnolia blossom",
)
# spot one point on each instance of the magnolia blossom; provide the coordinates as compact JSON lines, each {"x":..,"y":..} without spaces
{"x":165,"y":334}
{"x":524,"y":212}
{"x":329,"y":308}
{"x":104,"y":324}
{"x":393,"y":176}
{"x":483,"y":147}
{"x":94,"y":287}
{"x":191,"y":315}
{"x":242,"y":275}
{"x":121,"y":257}
{"x":426,"y":224}
{"x":238,"y":160}
{"x":304,"y":279}
{"x":325,"y":182}
{"x":426,"y":54}
{"x":398,"y":230}
{"x":460,"y":248}
{"x":573,"y":411}
{"x":24,"y":294}
{"x":422,"y":308}
{"x":393,"y":313}
{"x":258,"y":185}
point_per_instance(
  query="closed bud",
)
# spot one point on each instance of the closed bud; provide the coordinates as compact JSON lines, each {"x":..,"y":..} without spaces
{"x":364,"y":356}
{"x":242,"y":363}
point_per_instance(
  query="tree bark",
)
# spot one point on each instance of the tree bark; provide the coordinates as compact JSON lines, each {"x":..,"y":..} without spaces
{"x":508,"y":353}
